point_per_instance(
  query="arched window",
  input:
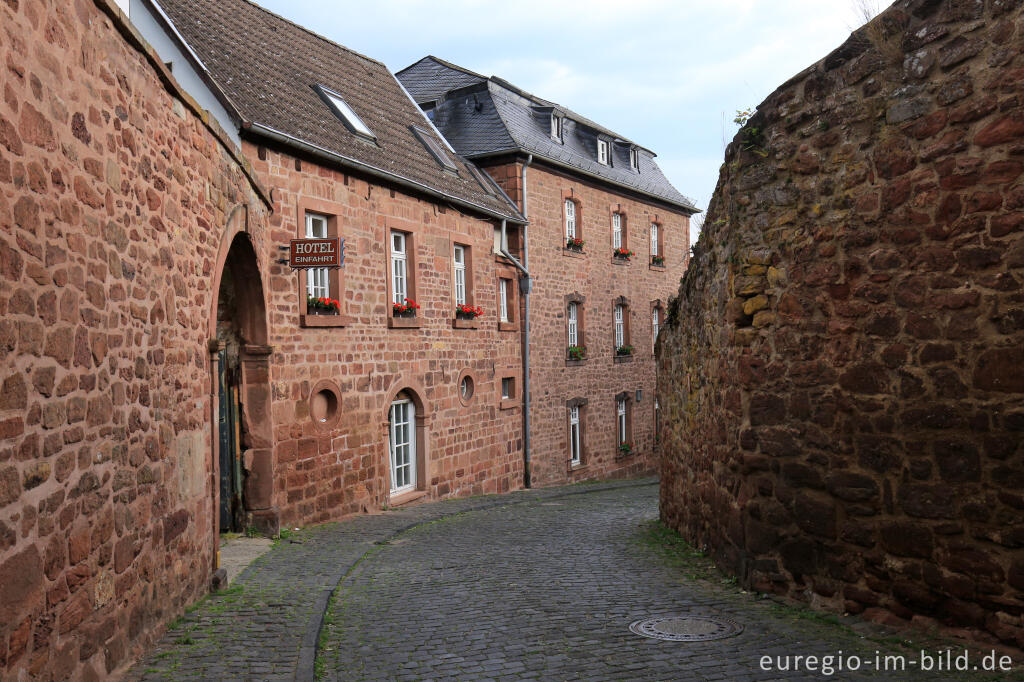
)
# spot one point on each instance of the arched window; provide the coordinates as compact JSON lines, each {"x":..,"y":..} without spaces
{"x":402,"y":444}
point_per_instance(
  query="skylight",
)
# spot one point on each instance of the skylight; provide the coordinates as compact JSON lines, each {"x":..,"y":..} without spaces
{"x":346,"y":113}
{"x":434,"y":148}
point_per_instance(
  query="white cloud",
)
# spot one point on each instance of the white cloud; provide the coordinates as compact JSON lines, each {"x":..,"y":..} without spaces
{"x":660,"y":72}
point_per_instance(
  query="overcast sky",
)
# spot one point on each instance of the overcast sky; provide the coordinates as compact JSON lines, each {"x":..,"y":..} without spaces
{"x":667,"y":74}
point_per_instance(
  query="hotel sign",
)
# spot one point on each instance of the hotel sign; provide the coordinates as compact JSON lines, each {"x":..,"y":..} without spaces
{"x":316,"y":253}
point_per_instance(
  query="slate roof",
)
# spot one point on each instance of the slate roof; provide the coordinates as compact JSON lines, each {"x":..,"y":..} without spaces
{"x":267,"y":68}
{"x":486,"y":116}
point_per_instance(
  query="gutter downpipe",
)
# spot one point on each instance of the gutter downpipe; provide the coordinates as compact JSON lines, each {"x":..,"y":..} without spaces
{"x":525,"y":285}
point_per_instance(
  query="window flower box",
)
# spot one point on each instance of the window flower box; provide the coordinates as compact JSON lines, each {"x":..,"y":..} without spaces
{"x":322,"y":306}
{"x":625,"y":449}
{"x":658,"y":261}
{"x":623,"y":253}
{"x":407,"y":309}
{"x":622,"y":351}
{"x":577,"y":352}
{"x":467,"y":312}
{"x":574,"y":244}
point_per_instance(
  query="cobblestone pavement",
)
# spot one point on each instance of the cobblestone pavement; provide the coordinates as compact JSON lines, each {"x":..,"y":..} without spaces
{"x":532,"y":585}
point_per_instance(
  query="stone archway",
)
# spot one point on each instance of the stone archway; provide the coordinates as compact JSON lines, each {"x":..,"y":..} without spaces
{"x":239,"y":362}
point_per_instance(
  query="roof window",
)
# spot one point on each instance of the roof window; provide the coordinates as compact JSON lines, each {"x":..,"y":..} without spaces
{"x":556,"y":127}
{"x":634,"y":159}
{"x":602,"y":151}
{"x":434,"y":148}
{"x":347,"y":115}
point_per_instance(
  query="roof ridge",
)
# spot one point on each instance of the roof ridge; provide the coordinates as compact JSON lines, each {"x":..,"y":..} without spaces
{"x":316,"y":35}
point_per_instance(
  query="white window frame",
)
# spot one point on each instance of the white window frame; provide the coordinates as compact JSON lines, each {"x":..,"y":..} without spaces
{"x":620,"y":325}
{"x":573,"y":320}
{"x":575,"y":444}
{"x":318,"y":284}
{"x":399,"y":267}
{"x":347,"y":114}
{"x":459,"y":256}
{"x":620,"y":409}
{"x":402,"y":445}
{"x":655,"y":323}
{"x":634,"y":159}
{"x":503,"y":299}
{"x":570,"y":219}
{"x":556,"y":127}
{"x":616,"y":230}
{"x":602,"y":152}
{"x":654,"y":239}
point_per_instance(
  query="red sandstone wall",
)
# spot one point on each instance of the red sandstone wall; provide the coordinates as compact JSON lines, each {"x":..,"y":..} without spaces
{"x":844,"y":384}
{"x":600,"y":280}
{"x":469,"y":449}
{"x":113,"y":195}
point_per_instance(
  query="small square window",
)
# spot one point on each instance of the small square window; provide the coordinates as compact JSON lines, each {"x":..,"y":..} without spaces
{"x":507,"y":388}
{"x":602,"y":152}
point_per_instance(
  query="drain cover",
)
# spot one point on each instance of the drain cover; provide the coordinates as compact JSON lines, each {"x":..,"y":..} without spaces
{"x":686,"y":628}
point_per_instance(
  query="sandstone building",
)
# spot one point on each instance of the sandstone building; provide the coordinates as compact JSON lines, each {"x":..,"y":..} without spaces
{"x":166,"y":375}
{"x":843,"y":378}
{"x":591,"y":317}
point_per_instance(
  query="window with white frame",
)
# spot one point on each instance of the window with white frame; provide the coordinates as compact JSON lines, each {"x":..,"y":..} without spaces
{"x":402,"y":444}
{"x":399,"y":268}
{"x":602,"y":152}
{"x":616,"y":230}
{"x":556,"y":127}
{"x":655,"y":320}
{"x":573,"y":317}
{"x":620,"y":325}
{"x":346,"y":113}
{"x":570,"y":219}
{"x":575,"y":442}
{"x":317,"y":282}
{"x":634,"y":159}
{"x":460,"y":274}
{"x":503,"y":300}
{"x":620,"y":408}
{"x":654,"y":239}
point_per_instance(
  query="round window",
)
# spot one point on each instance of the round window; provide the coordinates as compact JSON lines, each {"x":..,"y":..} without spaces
{"x":325,"y":405}
{"x":466,"y":387}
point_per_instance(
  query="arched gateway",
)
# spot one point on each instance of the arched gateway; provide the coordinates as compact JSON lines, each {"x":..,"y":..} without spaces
{"x":240,"y":382}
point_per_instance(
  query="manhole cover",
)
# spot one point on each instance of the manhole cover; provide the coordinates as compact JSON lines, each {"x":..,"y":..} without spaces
{"x":686,"y":628}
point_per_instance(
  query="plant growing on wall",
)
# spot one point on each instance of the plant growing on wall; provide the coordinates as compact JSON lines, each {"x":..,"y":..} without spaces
{"x":323,"y":306}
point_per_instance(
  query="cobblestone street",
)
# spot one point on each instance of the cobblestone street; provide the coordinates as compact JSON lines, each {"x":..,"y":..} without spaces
{"x":533,"y":585}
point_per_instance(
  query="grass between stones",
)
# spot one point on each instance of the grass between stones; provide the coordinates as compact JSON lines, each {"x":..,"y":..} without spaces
{"x":670,"y":547}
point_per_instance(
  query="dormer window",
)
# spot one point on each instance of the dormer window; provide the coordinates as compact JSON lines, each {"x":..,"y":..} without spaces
{"x":634,"y":159}
{"x":347,"y":115}
{"x":556,"y":127}
{"x":602,"y":152}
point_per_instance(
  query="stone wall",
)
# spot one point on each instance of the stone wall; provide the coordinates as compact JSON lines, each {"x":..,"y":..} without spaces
{"x":598,"y":280}
{"x":843,"y":379}
{"x":469,"y":446}
{"x":114,"y":193}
